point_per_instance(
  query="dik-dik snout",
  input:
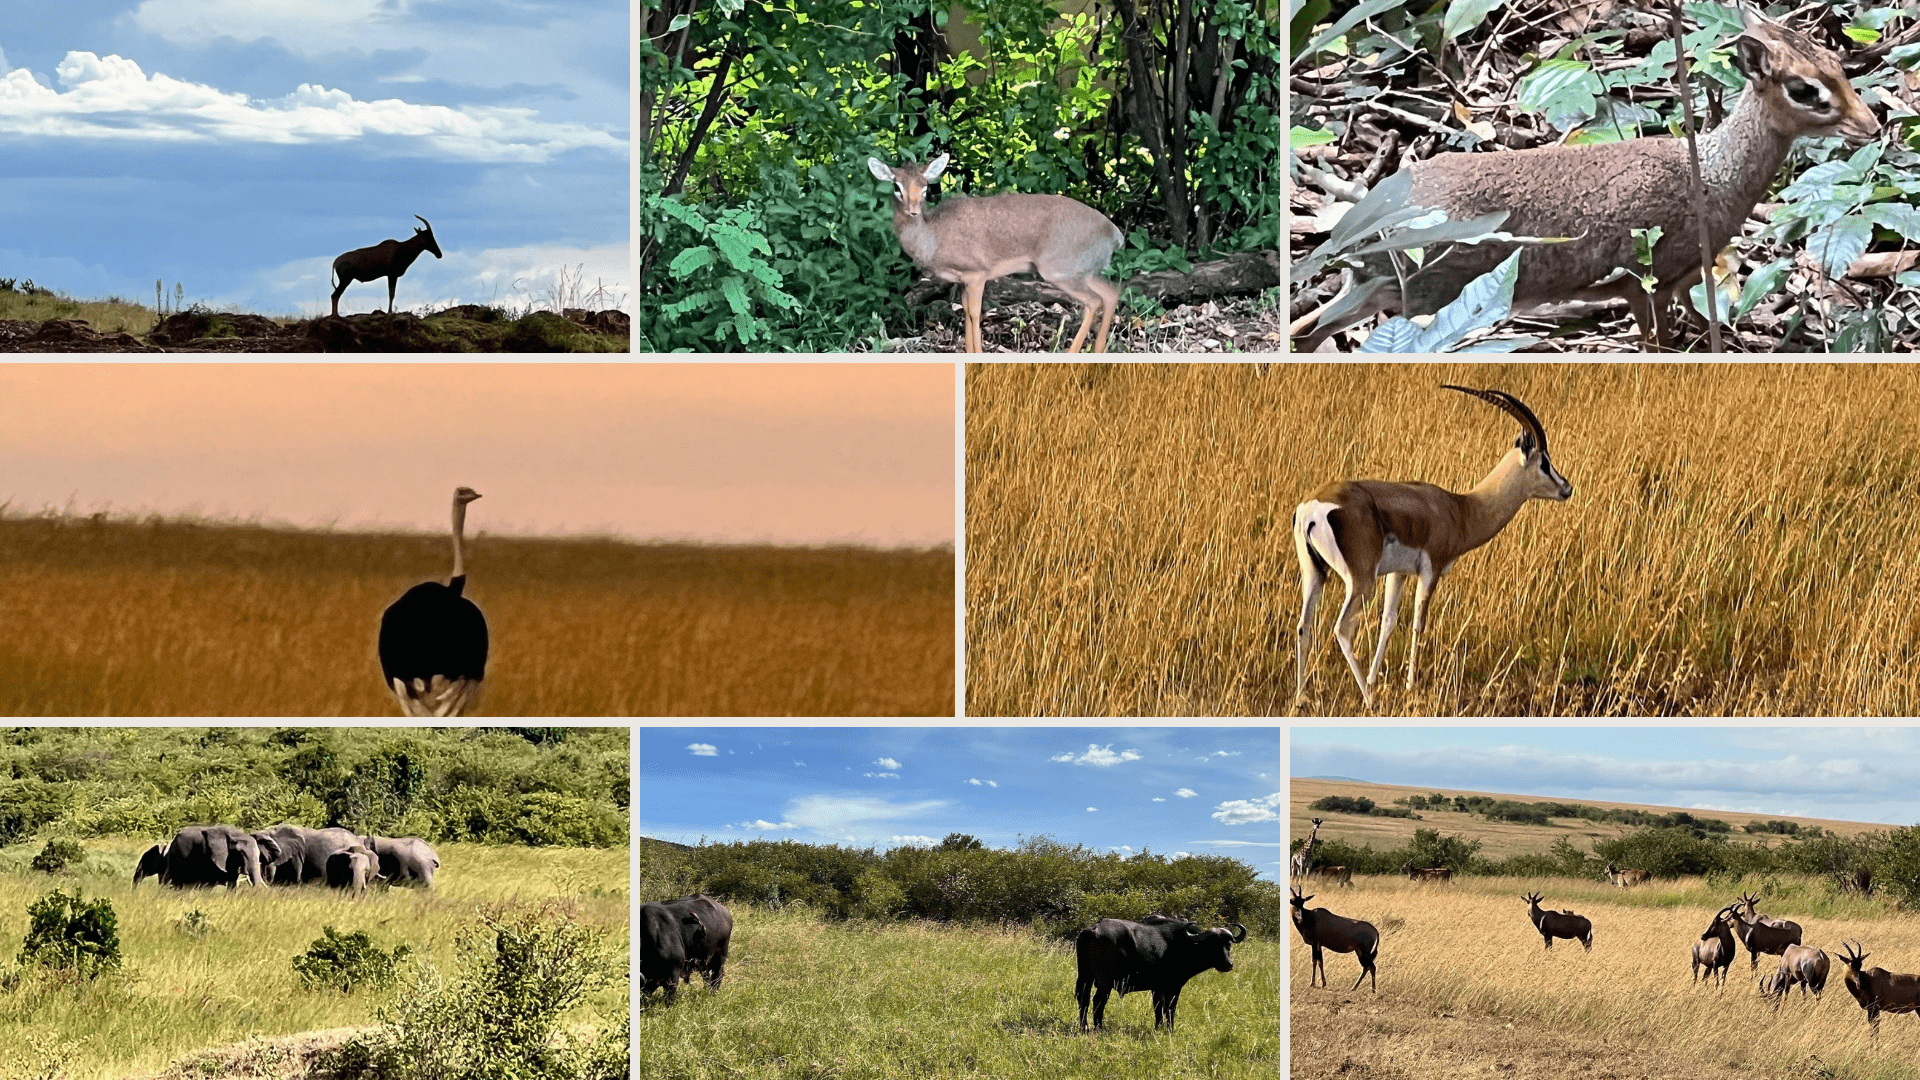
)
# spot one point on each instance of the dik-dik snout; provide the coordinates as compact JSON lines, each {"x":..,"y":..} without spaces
{"x":1599,"y":195}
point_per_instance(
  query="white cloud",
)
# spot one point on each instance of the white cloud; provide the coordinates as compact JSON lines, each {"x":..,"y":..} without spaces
{"x":972,"y":781}
{"x":886,"y":763}
{"x":762,"y":824}
{"x":1099,"y":755}
{"x":1183,"y":855}
{"x":518,"y":277}
{"x":883,"y":775}
{"x":112,"y":98}
{"x":1124,"y":848}
{"x":1186,"y":793}
{"x":990,"y":783}
{"x":1157,"y":798}
{"x":1248,"y":811}
{"x":1225,"y":753}
{"x":915,"y":841}
{"x":799,"y":764}
{"x":1093,"y":809}
{"x":701,"y":749}
{"x":839,"y":815}
{"x":289,"y":21}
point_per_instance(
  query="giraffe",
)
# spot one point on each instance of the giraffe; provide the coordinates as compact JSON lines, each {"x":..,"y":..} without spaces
{"x":1303,"y":859}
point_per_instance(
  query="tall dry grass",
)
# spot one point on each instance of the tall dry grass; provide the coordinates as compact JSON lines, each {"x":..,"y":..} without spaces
{"x":1469,"y":951}
{"x":1738,"y":541}
{"x":108,"y":618}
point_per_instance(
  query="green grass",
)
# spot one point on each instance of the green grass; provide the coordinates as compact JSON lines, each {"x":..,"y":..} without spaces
{"x":109,"y":316}
{"x":861,"y":1000}
{"x":179,"y":993}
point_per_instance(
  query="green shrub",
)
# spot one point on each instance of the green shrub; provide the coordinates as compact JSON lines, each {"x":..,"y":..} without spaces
{"x":1343,"y":804}
{"x":346,"y":962}
{"x":60,"y":853}
{"x":67,"y":933}
{"x":497,"y":1016}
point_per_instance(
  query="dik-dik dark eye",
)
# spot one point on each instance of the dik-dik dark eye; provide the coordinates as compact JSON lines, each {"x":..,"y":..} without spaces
{"x":1811,"y":95}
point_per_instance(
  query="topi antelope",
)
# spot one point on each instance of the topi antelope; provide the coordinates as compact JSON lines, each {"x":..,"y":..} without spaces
{"x":1877,"y":989}
{"x":1626,"y":878}
{"x":1431,"y":873}
{"x":1715,"y":950}
{"x":1802,"y":965}
{"x":1553,"y":924}
{"x":1364,"y":530}
{"x":1322,"y":929}
{"x":386,"y":259}
{"x":1761,"y":934}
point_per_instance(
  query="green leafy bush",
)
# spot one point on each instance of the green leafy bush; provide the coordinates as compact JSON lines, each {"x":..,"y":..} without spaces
{"x":497,"y":1016}
{"x":60,"y":853}
{"x":346,"y":962}
{"x":69,"y":934}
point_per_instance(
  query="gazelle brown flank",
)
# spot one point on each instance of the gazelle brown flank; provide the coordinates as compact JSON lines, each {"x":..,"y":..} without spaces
{"x":1877,"y":989}
{"x":1364,"y":530}
{"x":1625,"y":878}
{"x":1761,"y":934}
{"x":1715,"y":950}
{"x":1558,"y":924}
{"x":1322,"y":929}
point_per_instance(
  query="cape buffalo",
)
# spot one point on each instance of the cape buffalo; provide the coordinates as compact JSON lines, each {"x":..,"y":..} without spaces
{"x":680,"y":937}
{"x":1157,"y":954}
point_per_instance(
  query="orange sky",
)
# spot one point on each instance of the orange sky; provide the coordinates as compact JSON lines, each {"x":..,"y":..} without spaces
{"x":783,"y":453}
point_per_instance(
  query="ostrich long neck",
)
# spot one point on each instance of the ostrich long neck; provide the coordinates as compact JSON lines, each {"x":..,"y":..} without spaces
{"x":459,"y":542}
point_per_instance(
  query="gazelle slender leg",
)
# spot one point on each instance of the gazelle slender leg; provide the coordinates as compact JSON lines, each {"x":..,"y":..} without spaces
{"x":1343,"y":629}
{"x":1312,"y":580}
{"x":1389,"y":614}
{"x":1422,"y":594}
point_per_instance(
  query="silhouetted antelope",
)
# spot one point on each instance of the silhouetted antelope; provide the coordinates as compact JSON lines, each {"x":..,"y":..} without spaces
{"x":1877,"y":989}
{"x":1561,"y":924}
{"x":1715,"y":950}
{"x":1761,"y":934}
{"x":386,"y":259}
{"x":1322,"y":929}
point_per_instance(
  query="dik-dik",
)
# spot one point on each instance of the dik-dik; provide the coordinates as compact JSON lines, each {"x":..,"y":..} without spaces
{"x":1599,"y":194}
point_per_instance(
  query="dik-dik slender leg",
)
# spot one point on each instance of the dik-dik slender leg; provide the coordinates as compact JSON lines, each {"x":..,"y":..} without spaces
{"x":1389,"y":614}
{"x":975,"y":288}
{"x":1109,"y":300}
{"x":1087,"y":300}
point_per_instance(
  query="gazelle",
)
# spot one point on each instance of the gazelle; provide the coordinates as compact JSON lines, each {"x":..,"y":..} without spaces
{"x":1367,"y":529}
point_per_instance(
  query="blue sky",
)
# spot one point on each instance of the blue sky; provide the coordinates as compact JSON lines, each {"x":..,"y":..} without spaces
{"x":238,"y":146}
{"x":1845,"y":774}
{"x":1204,"y":791}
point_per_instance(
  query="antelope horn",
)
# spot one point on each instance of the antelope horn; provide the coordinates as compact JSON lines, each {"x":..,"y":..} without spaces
{"x":1529,"y":424}
{"x":429,"y":226}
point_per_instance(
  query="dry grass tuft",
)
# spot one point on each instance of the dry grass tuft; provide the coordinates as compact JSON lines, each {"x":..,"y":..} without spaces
{"x":1736,"y":542}
{"x":1467,"y":989}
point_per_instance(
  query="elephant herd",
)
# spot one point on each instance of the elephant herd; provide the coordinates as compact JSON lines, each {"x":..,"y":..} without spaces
{"x":287,"y":855}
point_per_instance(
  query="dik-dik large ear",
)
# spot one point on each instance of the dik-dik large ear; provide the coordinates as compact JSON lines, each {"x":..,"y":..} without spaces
{"x":936,"y":167}
{"x":1752,"y":56}
{"x":879,"y":169}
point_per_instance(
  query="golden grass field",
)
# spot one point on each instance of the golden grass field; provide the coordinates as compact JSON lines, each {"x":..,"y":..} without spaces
{"x":104,"y":618}
{"x":1737,"y":541}
{"x":1500,"y":839}
{"x":1465,"y":988}
{"x":180,"y":992}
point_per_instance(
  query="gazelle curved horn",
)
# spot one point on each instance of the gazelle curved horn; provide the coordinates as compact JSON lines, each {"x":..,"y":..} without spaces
{"x":1512,"y":406}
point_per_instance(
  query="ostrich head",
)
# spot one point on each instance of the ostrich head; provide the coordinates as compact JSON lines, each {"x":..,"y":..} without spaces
{"x":464,"y":495}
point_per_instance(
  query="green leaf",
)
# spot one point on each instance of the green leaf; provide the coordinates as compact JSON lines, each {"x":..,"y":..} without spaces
{"x":678,"y":24}
{"x":1396,"y":335}
{"x":1484,"y":302}
{"x":1464,"y":15}
{"x":1299,"y":138}
{"x":1566,"y":91}
{"x":1837,"y":245}
{"x":1763,"y":283}
{"x":689,"y":260}
{"x":1644,"y":241}
{"x":1360,"y":13}
{"x":1862,"y":34}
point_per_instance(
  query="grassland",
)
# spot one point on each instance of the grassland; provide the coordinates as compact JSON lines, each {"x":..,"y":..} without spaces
{"x":1466,"y":989}
{"x":1499,"y":839}
{"x":861,"y":1001}
{"x":1737,"y":542}
{"x":109,"y":618}
{"x":180,"y":992}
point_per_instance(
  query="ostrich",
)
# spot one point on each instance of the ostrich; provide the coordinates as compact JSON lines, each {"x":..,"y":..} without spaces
{"x":433,"y":641}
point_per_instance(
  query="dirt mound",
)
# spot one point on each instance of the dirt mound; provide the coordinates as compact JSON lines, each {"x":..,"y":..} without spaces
{"x":465,"y":328}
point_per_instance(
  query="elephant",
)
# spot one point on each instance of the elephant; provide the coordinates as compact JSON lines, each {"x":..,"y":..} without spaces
{"x":216,"y":855}
{"x":304,"y":852}
{"x":351,"y":868}
{"x":153,"y":863}
{"x":407,"y":860}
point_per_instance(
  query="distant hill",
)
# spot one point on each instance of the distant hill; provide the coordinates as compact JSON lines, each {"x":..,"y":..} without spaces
{"x":1499,"y":839}
{"x":648,"y":840}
